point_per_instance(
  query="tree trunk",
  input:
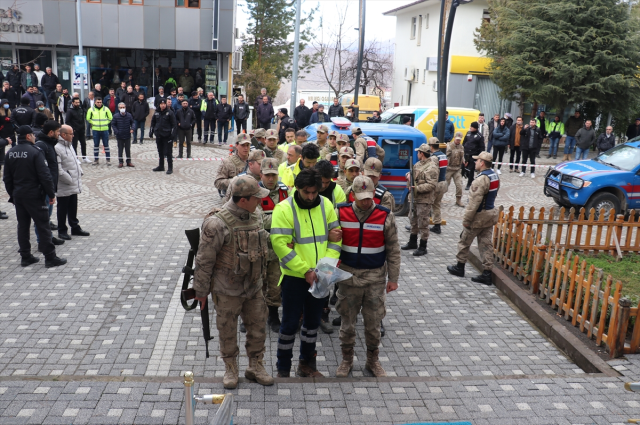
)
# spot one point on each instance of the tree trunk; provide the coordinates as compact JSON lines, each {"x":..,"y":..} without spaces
{"x":534,"y":110}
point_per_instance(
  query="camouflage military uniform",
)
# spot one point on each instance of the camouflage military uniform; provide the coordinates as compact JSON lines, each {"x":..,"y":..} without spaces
{"x":387,"y":200}
{"x":360,"y":146}
{"x":425,"y":176}
{"x":455,"y":153}
{"x":227,"y":197}
{"x":441,"y":189}
{"x":277,"y":154}
{"x":326,"y":151}
{"x":343,"y":182}
{"x":478,"y":224}
{"x":270,"y":288}
{"x":230,"y":168}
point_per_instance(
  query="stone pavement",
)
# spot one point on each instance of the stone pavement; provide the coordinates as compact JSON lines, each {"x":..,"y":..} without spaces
{"x":105,"y":339}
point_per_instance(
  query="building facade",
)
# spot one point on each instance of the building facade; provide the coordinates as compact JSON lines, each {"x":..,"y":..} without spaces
{"x":119,"y":35}
{"x":415,"y":61}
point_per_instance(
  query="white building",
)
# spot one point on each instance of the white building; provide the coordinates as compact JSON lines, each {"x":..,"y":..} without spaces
{"x":415,"y":62}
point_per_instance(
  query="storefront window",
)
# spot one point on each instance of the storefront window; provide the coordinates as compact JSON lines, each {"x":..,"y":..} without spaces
{"x":6,"y":59}
{"x":187,"y":3}
{"x":64,"y":69}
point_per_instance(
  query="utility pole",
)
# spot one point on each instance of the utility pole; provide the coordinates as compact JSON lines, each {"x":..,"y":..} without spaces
{"x":296,"y":48}
{"x":80,"y":50}
{"x":360,"y":53}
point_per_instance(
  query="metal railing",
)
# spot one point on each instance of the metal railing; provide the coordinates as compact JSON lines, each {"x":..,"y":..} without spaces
{"x":224,"y":416}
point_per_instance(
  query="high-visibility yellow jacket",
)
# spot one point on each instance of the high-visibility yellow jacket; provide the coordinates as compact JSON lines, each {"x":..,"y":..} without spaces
{"x":99,"y":118}
{"x":285,"y":146}
{"x":290,"y":173}
{"x":308,"y":229}
{"x":337,"y":196}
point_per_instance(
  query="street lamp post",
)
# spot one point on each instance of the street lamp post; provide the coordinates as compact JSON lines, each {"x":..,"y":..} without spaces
{"x":296,"y":48}
{"x":444,"y":43}
{"x":356,"y":111}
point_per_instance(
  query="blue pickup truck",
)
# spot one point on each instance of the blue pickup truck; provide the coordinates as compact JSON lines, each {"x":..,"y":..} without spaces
{"x":399,"y":143}
{"x":611,"y":180}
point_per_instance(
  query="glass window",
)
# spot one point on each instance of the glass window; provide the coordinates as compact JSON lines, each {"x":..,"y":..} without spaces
{"x":419,"y":36}
{"x":187,"y":3}
{"x":397,"y":153}
{"x":414,"y":22}
{"x":622,"y":157}
{"x":140,"y":2}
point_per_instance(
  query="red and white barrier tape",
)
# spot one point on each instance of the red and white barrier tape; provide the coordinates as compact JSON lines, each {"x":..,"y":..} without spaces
{"x":521,"y":165}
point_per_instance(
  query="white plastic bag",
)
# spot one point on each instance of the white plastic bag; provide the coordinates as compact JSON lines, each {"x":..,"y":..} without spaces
{"x":327,"y":274}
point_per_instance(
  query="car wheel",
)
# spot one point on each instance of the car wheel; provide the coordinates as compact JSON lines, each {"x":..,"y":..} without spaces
{"x":603,"y":203}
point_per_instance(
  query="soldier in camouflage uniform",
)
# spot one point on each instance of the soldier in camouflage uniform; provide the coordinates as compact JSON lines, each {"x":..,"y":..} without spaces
{"x":278,"y":192}
{"x":455,"y":153}
{"x":362,"y":153}
{"x":368,"y":287}
{"x":331,"y":146}
{"x":253,"y":168}
{"x":322,"y":132}
{"x":351,"y":171}
{"x":234,"y":165}
{"x":346,"y":153}
{"x":479,"y":218}
{"x":373,"y":170}
{"x":231,"y":264}
{"x":441,"y":161}
{"x":271,"y":149}
{"x":425,"y":178}
{"x":258,"y":139}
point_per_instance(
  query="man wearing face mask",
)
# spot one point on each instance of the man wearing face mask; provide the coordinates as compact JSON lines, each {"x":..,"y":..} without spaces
{"x":123,"y":126}
{"x":42,"y":110}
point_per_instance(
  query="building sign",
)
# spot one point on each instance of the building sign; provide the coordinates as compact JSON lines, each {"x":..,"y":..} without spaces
{"x":432,"y":64}
{"x":15,"y":25}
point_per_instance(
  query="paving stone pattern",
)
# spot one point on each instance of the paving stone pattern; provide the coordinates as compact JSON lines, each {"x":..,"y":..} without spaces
{"x":104,"y":339}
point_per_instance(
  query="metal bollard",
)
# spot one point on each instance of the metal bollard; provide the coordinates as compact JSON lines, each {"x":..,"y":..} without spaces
{"x":224,"y":416}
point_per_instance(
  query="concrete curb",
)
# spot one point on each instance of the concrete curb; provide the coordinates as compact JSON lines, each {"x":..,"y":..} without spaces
{"x":553,"y":329}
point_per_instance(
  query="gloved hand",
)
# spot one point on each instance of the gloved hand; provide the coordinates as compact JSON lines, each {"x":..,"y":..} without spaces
{"x":150,"y":133}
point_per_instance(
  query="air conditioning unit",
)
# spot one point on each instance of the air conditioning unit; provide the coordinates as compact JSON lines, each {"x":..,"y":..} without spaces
{"x":236,"y":64}
{"x":410,"y":74}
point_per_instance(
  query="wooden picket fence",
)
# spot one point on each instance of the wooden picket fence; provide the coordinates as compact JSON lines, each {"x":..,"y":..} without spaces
{"x":553,"y":271}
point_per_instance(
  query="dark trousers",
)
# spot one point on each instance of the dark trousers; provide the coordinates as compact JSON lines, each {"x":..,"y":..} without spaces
{"x":138,"y":124}
{"x":101,"y":136}
{"x":50,"y":210}
{"x":297,"y":300}
{"x":209,"y":129}
{"x":163,"y":143}
{"x":78,"y":136}
{"x":241,"y":124}
{"x":38,"y":211}
{"x":471,"y":170}
{"x":498,"y":153}
{"x":124,"y":145}
{"x":515,"y":154}
{"x":264,"y":124}
{"x":67,"y":208}
{"x":182,"y":136}
{"x":531,"y":155}
{"x":57,"y":115}
{"x":223,"y":128}
{"x":199,"y":127}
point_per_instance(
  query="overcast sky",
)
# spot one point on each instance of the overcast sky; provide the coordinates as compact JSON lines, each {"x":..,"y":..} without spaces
{"x":378,"y":27}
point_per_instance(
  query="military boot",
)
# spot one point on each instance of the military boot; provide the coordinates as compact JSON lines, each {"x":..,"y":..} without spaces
{"x":307,"y":368}
{"x":256,"y":372}
{"x":347,"y":363}
{"x":273,"y":320}
{"x":484,"y":278}
{"x":436,"y":229}
{"x":412,"y":244}
{"x":373,"y":364}
{"x":459,"y":201}
{"x":230,"y":380}
{"x":457,"y":270}
{"x":422,"y":249}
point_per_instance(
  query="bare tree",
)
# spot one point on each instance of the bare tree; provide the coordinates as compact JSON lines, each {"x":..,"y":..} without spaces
{"x":377,"y":67}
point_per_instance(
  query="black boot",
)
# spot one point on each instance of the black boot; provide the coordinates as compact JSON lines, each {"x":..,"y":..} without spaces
{"x":54,"y":261}
{"x":242,"y":328}
{"x":337,"y":321}
{"x":27,"y":261}
{"x":467,"y":188}
{"x":160,"y":166}
{"x":436,"y":229}
{"x":422,"y":249}
{"x":273,"y":320}
{"x":382,"y":330}
{"x":484,"y":278}
{"x":412,"y":244}
{"x":457,"y":270}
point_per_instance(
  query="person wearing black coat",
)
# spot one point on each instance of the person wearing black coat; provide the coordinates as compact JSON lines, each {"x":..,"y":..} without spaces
{"x":123,"y":125}
{"x":163,"y":125}
{"x":9,"y":95}
{"x":241,"y":113}
{"x":195,"y":103}
{"x":7,"y":137}
{"x":28,"y":79}
{"x":27,"y":180}
{"x":75,"y":118}
{"x":302,"y":114}
{"x":129,"y":98}
{"x":336,"y":110}
{"x":606,"y":140}
{"x":223,"y":116}
{"x":531,"y":138}
{"x":24,"y":114}
{"x":14,"y":77}
{"x":285,"y":122}
{"x":4,"y":142}
{"x":208,"y":109}
{"x":53,"y":101}
{"x":473,"y":145}
{"x":140,"y":112}
{"x":186,"y":120}
{"x":49,"y":81}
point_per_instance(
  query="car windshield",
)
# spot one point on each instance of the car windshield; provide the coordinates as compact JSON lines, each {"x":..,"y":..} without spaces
{"x":386,"y":115}
{"x":623,"y":157}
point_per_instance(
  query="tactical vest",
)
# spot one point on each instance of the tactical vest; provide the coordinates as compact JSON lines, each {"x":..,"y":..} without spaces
{"x":371,"y":151}
{"x":247,"y":251}
{"x":377,"y":195}
{"x":267,"y":203}
{"x":363,"y":244}
{"x":333,"y":159}
{"x":488,"y":202}
{"x":443,"y":162}
{"x":239,"y":164}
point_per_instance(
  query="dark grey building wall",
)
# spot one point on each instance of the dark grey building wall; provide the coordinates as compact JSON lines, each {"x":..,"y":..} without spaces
{"x":460,"y":92}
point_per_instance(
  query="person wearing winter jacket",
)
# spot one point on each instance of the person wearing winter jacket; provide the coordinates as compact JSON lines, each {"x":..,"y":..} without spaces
{"x":571,"y":127}
{"x":240,"y":114}
{"x":186,"y":120}
{"x":606,"y":140}
{"x":223,"y":116}
{"x":302,"y":114}
{"x":69,"y":185}
{"x":4,"y":142}
{"x":449,"y":129}
{"x":208,"y":110}
{"x":129,"y":98}
{"x":123,"y":125}
{"x":336,"y":109}
{"x":28,"y":79}
{"x":555,"y":130}
{"x":76,"y":119}
{"x":7,"y":136}
{"x":500,"y":139}
{"x":195,"y":104}
{"x":49,"y":81}
{"x":264,"y":113}
{"x":585,"y":138}
{"x":531,"y":138}
{"x":140,"y":112}
{"x":319,"y":116}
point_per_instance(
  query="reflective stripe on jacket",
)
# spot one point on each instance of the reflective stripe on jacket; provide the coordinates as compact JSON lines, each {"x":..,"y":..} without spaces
{"x":99,"y":118}
{"x":363,"y":243}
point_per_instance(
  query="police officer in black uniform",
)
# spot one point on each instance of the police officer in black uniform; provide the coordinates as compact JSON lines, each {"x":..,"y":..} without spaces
{"x":24,"y":114}
{"x":28,"y":180}
{"x":163,"y":125}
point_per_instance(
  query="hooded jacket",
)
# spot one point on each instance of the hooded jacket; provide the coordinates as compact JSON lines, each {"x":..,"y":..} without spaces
{"x":48,"y":146}
{"x":69,"y":170}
